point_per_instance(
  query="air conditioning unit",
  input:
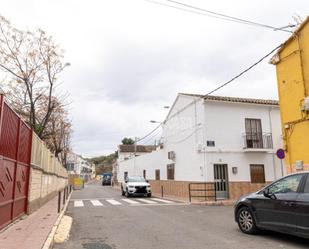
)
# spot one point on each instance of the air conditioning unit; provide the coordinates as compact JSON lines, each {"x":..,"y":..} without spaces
{"x":306,"y":104}
{"x":171,"y":155}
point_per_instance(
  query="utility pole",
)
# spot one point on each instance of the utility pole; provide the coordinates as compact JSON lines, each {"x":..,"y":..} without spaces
{"x":134,"y":166}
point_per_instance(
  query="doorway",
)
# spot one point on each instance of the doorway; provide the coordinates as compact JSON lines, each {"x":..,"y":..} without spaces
{"x":221,"y":181}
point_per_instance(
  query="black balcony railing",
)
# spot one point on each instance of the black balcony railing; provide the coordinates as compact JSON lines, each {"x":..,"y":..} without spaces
{"x":258,"y":140}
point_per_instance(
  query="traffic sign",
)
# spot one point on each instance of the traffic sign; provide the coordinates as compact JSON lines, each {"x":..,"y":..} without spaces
{"x":280,"y":154}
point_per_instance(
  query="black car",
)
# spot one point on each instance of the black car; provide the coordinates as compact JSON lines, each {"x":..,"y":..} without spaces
{"x":283,"y":206}
{"x":107,"y":179}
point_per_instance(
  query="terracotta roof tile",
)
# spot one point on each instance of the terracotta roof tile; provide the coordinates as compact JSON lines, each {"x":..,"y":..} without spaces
{"x":235,"y":99}
{"x":139,"y":148}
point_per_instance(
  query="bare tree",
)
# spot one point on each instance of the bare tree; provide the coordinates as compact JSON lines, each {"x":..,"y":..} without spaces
{"x":58,"y":132}
{"x":32,"y":63}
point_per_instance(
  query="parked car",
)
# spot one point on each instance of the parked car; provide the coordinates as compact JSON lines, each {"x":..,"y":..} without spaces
{"x":107,"y":179}
{"x":283,"y":206}
{"x":135,"y":185}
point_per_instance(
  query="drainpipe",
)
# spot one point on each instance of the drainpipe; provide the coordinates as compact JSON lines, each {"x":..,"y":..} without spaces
{"x":204,"y":141}
{"x":271,"y":131}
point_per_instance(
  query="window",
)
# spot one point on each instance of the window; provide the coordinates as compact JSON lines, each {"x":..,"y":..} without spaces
{"x":144,"y":173}
{"x":125,"y":175}
{"x":257,"y":173}
{"x":70,"y":166}
{"x":286,"y":185}
{"x":306,"y":190}
{"x":171,"y":155}
{"x":157,"y":174}
{"x":254,"y":135}
{"x":170,"y":171}
{"x":210,"y":143}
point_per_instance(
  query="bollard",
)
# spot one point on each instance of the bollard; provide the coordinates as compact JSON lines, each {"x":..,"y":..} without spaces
{"x":162,"y":191}
{"x":63,"y":202}
{"x":59,"y":201}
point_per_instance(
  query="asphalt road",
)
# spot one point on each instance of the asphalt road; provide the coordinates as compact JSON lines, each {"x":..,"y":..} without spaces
{"x":103,"y":220}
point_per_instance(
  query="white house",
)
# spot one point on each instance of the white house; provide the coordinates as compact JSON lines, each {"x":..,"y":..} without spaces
{"x":227,"y":141}
{"x":76,"y":165}
{"x":129,"y":151}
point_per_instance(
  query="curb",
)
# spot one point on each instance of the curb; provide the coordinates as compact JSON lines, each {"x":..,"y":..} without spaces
{"x":50,"y":239}
{"x":213,"y":203}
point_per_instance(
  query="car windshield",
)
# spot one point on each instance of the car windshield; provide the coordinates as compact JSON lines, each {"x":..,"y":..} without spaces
{"x":136,"y":179}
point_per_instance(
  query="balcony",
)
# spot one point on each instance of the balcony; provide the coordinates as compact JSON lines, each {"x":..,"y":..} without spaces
{"x":258,"y":142}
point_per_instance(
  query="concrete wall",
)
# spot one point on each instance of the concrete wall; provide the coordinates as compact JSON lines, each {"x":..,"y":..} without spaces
{"x":47,"y":175}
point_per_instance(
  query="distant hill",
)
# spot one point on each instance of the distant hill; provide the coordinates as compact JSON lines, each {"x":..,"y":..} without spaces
{"x":104,"y":164}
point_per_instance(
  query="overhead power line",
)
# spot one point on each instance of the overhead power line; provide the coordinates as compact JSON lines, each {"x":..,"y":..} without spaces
{"x":148,"y":134}
{"x":205,"y":12}
{"x":151,"y":138}
{"x":212,"y":91}
{"x":226,"y":83}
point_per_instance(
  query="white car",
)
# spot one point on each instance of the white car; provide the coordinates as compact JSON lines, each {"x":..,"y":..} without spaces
{"x":135,"y":185}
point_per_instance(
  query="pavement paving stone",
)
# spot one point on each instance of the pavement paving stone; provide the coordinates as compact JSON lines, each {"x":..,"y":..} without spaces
{"x":31,"y":232}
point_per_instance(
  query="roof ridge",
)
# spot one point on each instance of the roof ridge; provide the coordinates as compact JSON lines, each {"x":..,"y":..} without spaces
{"x":234,"y":99}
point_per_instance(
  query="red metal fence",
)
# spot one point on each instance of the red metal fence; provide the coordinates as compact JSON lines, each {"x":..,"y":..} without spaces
{"x":15,"y":155}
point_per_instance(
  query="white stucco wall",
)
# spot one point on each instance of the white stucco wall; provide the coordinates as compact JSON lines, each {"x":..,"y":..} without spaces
{"x":149,"y":162}
{"x":222,"y":122}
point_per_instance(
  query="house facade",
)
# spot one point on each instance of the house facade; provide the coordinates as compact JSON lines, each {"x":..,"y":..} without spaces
{"x":227,"y":141}
{"x":127,"y":152}
{"x":292,"y":65}
{"x":76,"y":165}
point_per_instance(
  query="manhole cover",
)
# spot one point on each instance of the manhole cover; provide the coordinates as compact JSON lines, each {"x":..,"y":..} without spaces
{"x":96,"y":245}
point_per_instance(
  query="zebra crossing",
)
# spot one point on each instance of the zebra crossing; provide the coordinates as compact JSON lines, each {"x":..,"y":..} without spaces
{"x":122,"y":202}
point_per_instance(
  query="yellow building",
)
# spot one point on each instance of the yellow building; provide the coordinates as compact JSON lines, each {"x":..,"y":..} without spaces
{"x":292,"y":66}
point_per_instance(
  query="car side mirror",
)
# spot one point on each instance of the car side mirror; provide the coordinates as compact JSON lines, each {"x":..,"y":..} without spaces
{"x":126,"y":181}
{"x":269,"y":195}
{"x":147,"y":181}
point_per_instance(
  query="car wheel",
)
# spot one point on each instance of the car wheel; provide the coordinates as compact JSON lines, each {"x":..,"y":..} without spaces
{"x":149,"y":195}
{"x":246,"y":221}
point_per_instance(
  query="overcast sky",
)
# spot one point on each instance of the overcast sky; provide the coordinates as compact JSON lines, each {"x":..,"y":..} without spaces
{"x":130,"y":58}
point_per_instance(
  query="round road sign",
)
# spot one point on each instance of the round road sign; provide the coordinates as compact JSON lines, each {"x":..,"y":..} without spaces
{"x":280,"y":154}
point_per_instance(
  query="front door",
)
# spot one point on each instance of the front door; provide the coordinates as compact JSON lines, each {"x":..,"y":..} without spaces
{"x":221,"y":180}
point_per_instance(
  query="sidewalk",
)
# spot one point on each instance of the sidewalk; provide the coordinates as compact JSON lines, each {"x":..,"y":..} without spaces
{"x":31,"y":232}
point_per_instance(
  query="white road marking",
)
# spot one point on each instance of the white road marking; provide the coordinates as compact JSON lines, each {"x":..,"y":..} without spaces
{"x":131,"y":201}
{"x":113,"y":202}
{"x":162,"y":200}
{"x":96,"y":203}
{"x":147,"y":201}
{"x":78,"y":203}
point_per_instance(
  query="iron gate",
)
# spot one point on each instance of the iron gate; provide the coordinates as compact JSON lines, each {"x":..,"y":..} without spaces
{"x":221,"y":180}
{"x":15,"y":154}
